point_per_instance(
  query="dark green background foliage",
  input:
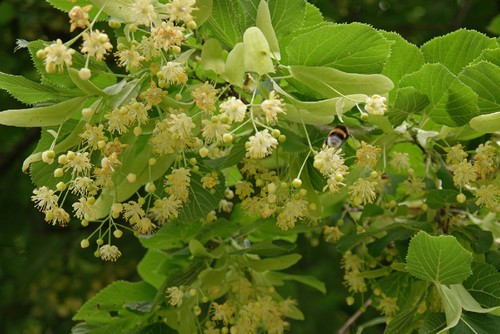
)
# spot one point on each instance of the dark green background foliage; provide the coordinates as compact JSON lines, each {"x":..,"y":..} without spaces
{"x":44,"y":274}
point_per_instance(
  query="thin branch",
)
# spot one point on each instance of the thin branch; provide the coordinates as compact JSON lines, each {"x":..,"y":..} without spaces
{"x":354,"y":317}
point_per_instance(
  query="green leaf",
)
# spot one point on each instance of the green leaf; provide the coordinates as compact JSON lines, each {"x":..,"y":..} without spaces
{"x":204,"y":11}
{"x":197,"y":249}
{"x":171,"y":236}
{"x":354,"y":48}
{"x":313,"y":16}
{"x":490,"y":55}
{"x":234,"y":72}
{"x":480,"y":240}
{"x":277,"y":263}
{"x":441,"y":259}
{"x":148,"y":267}
{"x":483,"y":284}
{"x":408,"y":101}
{"x":120,"y":9}
{"x":439,"y":198}
{"x":30,"y":92}
{"x":457,"y":49}
{"x":211,"y":56}
{"x":263,"y":22}
{"x":51,"y":115}
{"x":405,"y":58}
{"x":484,"y":79}
{"x":468,"y":303}
{"x":269,"y":249}
{"x":451,"y":305}
{"x":287,"y":15}
{"x":476,"y":324}
{"x":257,"y":52}
{"x":112,"y":299}
{"x":224,"y":23}
{"x":452,"y":103}
{"x":489,"y":123}
{"x":404,"y":322}
{"x":311,"y":281}
{"x":433,"y":323}
{"x":330,"y":82}
{"x":85,"y":85}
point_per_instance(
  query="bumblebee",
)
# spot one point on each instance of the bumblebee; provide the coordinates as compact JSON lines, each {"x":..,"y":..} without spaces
{"x":337,"y":136}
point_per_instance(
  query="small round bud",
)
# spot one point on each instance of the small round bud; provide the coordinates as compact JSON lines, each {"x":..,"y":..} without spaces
{"x":364,"y":117}
{"x":118,"y":234}
{"x":349,"y":300}
{"x":340,"y":222}
{"x":91,"y":200}
{"x":227,"y":137}
{"x":302,"y":192}
{"x":58,"y":172}
{"x":150,"y":187}
{"x":360,"y":229}
{"x":116,"y":209}
{"x":312,"y":207}
{"x":84,"y":243}
{"x":114,"y":24}
{"x":229,"y":194}
{"x":48,"y":156}
{"x":152,"y":161}
{"x":204,"y":299}
{"x":176,"y":50}
{"x":101,"y":144}
{"x":87,"y":113}
{"x":271,"y":198}
{"x":71,"y":155}
{"x":97,"y":253}
{"x":192,"y":25}
{"x":62,"y":159}
{"x":282,"y":138}
{"x":141,"y":200}
{"x":338,"y":177}
{"x":297,"y":183}
{"x":224,"y":119}
{"x":131,"y":177}
{"x":197,"y":310}
{"x":424,"y":207}
{"x":137,"y":131}
{"x":410,"y":171}
{"x":178,"y":97}
{"x":99,"y":241}
{"x":154,"y":68}
{"x":318,"y":164}
{"x":271,"y":188}
{"x":193,"y":161}
{"x":84,"y":223}
{"x":203,"y":152}
{"x":196,"y":168}
{"x":84,"y":73}
{"x":461,"y":198}
{"x":61,"y":186}
{"x":192,"y":292}
{"x":374,"y":174}
{"x":132,"y":27}
{"x":276,"y":133}
{"x":224,"y":330}
{"x":41,"y":54}
{"x":121,"y":47}
{"x":393,"y":204}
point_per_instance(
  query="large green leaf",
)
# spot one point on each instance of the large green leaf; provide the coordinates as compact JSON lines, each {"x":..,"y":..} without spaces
{"x":452,"y":103}
{"x":476,"y":323}
{"x":439,"y":198}
{"x":354,"y":48}
{"x":30,"y":92}
{"x":408,"y":102}
{"x":225,"y":23}
{"x":112,"y":299}
{"x":484,"y":285}
{"x":51,"y":115}
{"x":441,"y":259}
{"x":484,"y":79}
{"x":287,"y":15}
{"x":148,"y":267}
{"x":457,"y":49}
{"x":405,"y":58}
{"x":276,"y":263}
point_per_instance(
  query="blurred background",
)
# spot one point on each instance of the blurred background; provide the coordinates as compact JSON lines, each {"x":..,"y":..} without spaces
{"x":44,"y":274}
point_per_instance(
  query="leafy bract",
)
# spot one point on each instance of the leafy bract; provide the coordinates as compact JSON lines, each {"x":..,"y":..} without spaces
{"x":457,"y":49}
{"x":440,"y":259}
{"x":211,"y":56}
{"x":54,"y":114}
{"x":489,"y":123}
{"x":452,"y":103}
{"x":354,"y":48}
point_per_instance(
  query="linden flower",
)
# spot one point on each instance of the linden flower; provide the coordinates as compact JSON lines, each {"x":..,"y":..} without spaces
{"x":485,"y":160}
{"x":355,"y":282}
{"x":332,"y":233}
{"x":79,"y":162}
{"x":210,"y":180}
{"x":57,"y":215}
{"x":79,"y":17}
{"x":83,"y":186}
{"x":44,"y":198}
{"x":109,"y":252}
{"x":181,"y":127}
{"x":165,"y":209}
{"x":414,"y":186}
{"x":96,"y":44}
{"x":143,"y":12}
{"x":234,"y":109}
{"x":56,"y":56}
{"x":375,"y":105}
{"x":272,"y":107}
{"x":205,"y":97}
{"x":329,"y":162}
{"x":166,"y":35}
{"x":175,"y":295}
{"x":153,"y":95}
{"x":293,"y":210}
{"x":489,"y":196}
{"x":368,"y":155}
{"x":172,"y":73}
{"x":388,"y":305}
{"x":84,"y":208}
{"x":144,"y":226}
{"x":260,"y":145}
{"x":213,"y":130}
{"x":400,"y":161}
{"x":177,"y":184}
{"x":222,"y":312}
{"x":225,"y":206}
{"x":133,"y":212}
{"x":180,"y":10}
{"x":93,"y":135}
{"x":130,"y":59}
{"x":463,"y":174}
{"x":351,"y":261}
{"x":363,"y":191}
{"x":455,"y":154}
{"x":243,"y":189}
